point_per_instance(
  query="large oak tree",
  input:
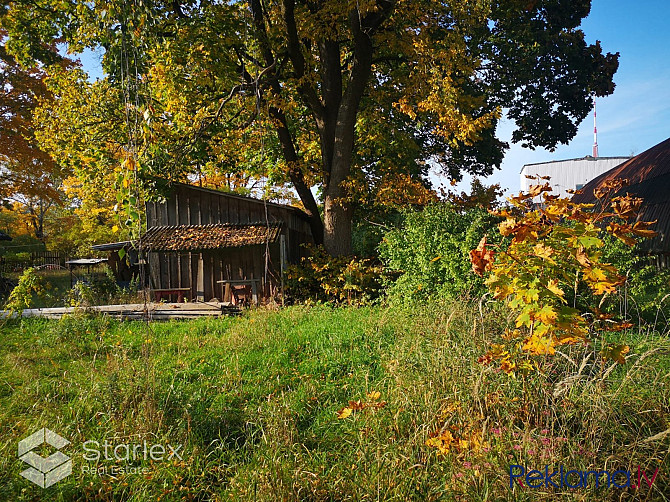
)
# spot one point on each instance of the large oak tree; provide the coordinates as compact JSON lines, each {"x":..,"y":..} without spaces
{"x":358,"y":94}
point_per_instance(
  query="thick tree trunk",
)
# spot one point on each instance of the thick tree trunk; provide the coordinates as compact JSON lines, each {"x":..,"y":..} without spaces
{"x":338,"y":210}
{"x":334,"y":111}
{"x":338,"y":215}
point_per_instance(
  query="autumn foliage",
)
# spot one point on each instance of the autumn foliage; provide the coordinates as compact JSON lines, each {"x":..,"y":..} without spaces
{"x":555,"y":252}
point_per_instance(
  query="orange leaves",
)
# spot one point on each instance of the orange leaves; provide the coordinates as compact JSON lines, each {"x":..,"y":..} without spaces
{"x":626,"y":207}
{"x":507,"y":227}
{"x":536,"y":190}
{"x":641,"y":229}
{"x":609,"y":188}
{"x":626,"y":232}
{"x":543,"y":251}
{"x":554,"y":249}
{"x":458,"y":438}
{"x":446,"y":441}
{"x":482,"y":258}
{"x":615,"y":353}
{"x":372,"y":403}
{"x":582,"y":257}
{"x":552,"y":286}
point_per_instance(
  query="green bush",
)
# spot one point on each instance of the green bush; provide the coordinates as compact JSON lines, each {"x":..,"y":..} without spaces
{"x":21,"y":297}
{"x":430,"y":249}
{"x":340,"y":280}
{"x":646,"y":295}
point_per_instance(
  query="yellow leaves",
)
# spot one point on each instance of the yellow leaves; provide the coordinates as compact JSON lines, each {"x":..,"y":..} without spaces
{"x":546,"y":315}
{"x":539,"y":345}
{"x":404,"y":106}
{"x":446,"y":441}
{"x":359,"y":405}
{"x":115,"y":228}
{"x":543,"y":251}
{"x":600,"y":288}
{"x":482,"y":258}
{"x":442,"y":441}
{"x":552,"y":286}
{"x":435,"y":259}
{"x":344,"y":413}
{"x":374,"y":395}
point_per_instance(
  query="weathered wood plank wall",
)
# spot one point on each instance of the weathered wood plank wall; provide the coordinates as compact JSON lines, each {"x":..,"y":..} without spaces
{"x":200,"y":206}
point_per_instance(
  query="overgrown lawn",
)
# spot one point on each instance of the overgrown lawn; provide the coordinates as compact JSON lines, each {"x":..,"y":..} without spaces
{"x":254,"y":403}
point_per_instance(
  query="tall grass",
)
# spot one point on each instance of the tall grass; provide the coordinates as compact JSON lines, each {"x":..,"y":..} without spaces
{"x":254,"y":401}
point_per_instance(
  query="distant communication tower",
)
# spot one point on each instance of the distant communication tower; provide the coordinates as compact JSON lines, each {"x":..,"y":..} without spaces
{"x":595,"y":131}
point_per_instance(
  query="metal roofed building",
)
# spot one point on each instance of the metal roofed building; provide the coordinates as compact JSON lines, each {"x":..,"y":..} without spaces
{"x":648,"y":176}
{"x":570,"y":174}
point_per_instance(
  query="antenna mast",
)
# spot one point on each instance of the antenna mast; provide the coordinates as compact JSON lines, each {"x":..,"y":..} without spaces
{"x":595,"y":131}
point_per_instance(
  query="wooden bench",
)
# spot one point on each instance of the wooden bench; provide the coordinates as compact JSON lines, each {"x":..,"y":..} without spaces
{"x":233,"y":289}
{"x":166,"y":292}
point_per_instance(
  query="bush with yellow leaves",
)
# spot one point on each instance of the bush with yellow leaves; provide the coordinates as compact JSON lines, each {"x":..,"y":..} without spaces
{"x":556,"y":251}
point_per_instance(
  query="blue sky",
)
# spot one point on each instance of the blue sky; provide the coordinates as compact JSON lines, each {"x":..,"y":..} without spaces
{"x":633,"y":119}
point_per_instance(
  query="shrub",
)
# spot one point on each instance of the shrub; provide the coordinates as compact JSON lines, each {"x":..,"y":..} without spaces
{"x":21,"y":297}
{"x":323,"y":278}
{"x":96,"y":290}
{"x":430,"y":250}
{"x":557,"y":248}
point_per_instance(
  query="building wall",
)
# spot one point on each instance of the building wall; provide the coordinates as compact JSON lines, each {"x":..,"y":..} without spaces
{"x":188,"y":205}
{"x":180,"y":270}
{"x":569,"y":174}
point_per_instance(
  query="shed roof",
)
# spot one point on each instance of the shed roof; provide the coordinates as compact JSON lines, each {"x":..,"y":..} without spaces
{"x":648,"y":176}
{"x":86,"y":261}
{"x":213,"y":236}
{"x":112,"y":246}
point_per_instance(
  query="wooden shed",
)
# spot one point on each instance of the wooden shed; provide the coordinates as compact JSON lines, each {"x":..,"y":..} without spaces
{"x":199,"y":240}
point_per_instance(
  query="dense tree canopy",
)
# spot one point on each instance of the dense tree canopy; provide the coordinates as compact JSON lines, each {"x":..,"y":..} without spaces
{"x":29,"y":178}
{"x":352,"y":97}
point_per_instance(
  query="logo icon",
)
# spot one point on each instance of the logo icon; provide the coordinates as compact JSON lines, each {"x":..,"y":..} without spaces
{"x":44,"y":472}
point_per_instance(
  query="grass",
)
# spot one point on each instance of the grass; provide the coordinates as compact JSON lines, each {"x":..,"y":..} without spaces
{"x":254,"y":403}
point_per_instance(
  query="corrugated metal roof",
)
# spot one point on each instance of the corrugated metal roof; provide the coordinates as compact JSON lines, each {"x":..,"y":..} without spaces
{"x":648,"y":176}
{"x":213,"y":236}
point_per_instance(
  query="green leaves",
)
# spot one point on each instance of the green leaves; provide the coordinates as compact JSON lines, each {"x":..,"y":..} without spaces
{"x":555,"y":249}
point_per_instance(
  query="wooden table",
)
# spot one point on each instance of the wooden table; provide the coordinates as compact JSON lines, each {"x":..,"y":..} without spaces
{"x":227,"y":283}
{"x":160,"y":293}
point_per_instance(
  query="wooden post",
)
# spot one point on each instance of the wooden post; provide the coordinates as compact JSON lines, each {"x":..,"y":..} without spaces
{"x":200,"y":296}
{"x":282,"y":264}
